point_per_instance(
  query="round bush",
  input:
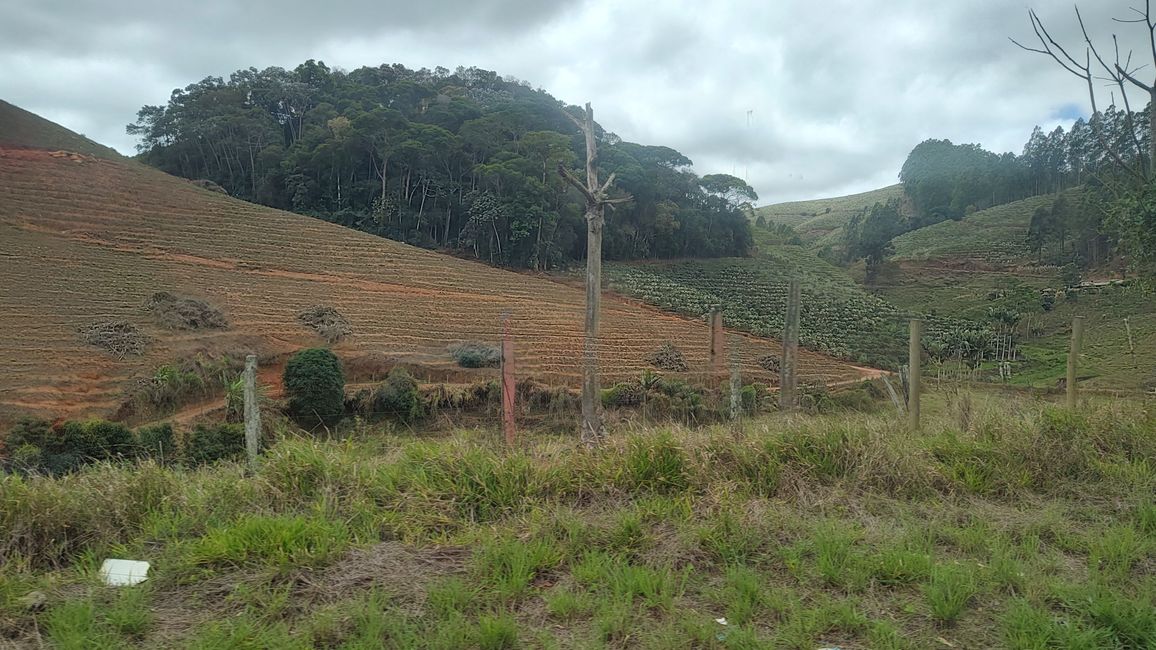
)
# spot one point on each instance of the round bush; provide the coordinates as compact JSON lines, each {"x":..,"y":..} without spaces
{"x":315,"y":385}
{"x":398,"y":397}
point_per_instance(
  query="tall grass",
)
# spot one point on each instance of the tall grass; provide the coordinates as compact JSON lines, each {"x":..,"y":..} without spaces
{"x":798,"y":521}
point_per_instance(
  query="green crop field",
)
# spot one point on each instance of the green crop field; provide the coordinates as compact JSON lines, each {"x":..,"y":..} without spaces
{"x":1108,"y":360}
{"x":838,"y":316}
{"x":997,"y":236}
{"x":821,"y":217}
{"x":1007,"y":522}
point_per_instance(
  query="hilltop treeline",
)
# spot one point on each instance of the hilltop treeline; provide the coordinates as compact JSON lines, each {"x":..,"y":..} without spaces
{"x":947,"y":181}
{"x":1088,"y":223}
{"x":461,"y":160}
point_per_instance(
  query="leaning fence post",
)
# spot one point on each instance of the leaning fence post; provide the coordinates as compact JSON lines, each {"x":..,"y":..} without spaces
{"x":914,"y":373}
{"x":788,"y":367}
{"x":252,"y":411}
{"x":1073,"y":358}
{"x":509,"y":386}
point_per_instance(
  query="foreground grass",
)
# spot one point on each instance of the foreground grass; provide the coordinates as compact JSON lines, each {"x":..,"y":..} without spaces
{"x":1004,"y":524}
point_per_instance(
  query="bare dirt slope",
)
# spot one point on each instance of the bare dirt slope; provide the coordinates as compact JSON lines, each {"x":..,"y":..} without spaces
{"x":86,"y":239}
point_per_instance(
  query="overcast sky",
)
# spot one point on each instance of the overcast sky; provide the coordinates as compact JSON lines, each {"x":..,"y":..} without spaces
{"x":803,"y":98}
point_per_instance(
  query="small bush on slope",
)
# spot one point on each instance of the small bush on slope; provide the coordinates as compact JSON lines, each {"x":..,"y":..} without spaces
{"x":315,"y":384}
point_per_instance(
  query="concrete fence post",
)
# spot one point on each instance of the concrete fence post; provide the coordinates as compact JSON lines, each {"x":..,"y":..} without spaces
{"x":789,"y":364}
{"x":914,"y":372}
{"x":1073,"y":359}
{"x":252,"y":411}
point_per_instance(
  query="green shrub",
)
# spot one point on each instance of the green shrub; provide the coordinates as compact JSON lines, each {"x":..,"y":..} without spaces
{"x":315,"y":384}
{"x":157,"y":442}
{"x":620,"y":395}
{"x":398,"y":397}
{"x":25,"y":445}
{"x":209,"y":444}
{"x":677,"y":398}
{"x":67,"y":446}
{"x":752,"y":397}
{"x":815,"y":398}
{"x":473,"y":354}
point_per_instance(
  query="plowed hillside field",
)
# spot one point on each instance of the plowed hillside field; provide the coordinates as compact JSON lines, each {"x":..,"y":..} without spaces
{"x":85,"y":239}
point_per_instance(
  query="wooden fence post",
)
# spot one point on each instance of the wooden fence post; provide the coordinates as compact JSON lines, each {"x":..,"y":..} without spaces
{"x":914,"y":372}
{"x":509,"y":386}
{"x":252,"y":411}
{"x":717,"y":347}
{"x":788,"y":365}
{"x":1131,"y":345}
{"x":1073,"y":359}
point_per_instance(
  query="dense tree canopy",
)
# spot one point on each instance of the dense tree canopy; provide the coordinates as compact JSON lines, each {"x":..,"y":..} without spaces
{"x":1092,"y":218}
{"x":947,"y":181}
{"x":869,"y":233}
{"x":461,"y":160}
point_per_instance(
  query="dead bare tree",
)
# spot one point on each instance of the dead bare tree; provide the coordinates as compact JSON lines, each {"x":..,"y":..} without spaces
{"x":597,"y":201}
{"x":1119,"y":73}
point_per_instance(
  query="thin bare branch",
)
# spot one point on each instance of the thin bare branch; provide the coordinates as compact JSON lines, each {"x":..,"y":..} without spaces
{"x":581,"y":124}
{"x":1039,"y":28}
{"x":1140,"y":84}
{"x":576,"y":182}
{"x":607,"y":184}
{"x":1095,"y":52}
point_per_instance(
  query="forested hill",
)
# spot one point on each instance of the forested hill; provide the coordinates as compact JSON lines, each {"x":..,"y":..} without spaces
{"x":462,"y":160}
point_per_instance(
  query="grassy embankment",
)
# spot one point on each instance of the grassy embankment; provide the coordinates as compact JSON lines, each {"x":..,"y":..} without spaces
{"x":1007,"y":522}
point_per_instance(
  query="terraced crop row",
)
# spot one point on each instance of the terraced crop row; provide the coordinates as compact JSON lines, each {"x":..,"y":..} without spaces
{"x":87,"y":242}
{"x":837,"y":316}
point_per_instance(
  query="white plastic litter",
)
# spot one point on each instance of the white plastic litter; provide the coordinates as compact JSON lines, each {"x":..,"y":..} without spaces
{"x":119,"y":573}
{"x":721,"y":621}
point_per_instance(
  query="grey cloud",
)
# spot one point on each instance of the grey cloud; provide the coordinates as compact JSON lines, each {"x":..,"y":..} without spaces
{"x":840,"y":90}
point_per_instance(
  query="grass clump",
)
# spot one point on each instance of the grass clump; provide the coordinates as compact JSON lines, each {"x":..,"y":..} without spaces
{"x":657,"y":464}
{"x":949,"y":590}
{"x":284,"y":542}
{"x":509,"y":566}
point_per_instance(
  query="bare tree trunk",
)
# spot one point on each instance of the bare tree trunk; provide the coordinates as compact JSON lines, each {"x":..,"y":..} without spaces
{"x":1152,"y":131}
{"x":592,"y":430}
{"x":596,"y":202}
